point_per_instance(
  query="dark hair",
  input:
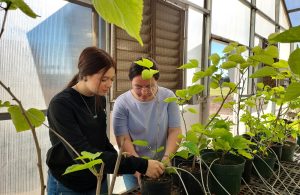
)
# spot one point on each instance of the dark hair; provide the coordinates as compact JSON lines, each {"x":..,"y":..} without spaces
{"x":91,"y":61}
{"x":136,"y":70}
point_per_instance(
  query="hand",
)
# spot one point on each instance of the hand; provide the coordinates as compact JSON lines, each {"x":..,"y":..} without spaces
{"x":155,"y":169}
{"x":166,"y":161}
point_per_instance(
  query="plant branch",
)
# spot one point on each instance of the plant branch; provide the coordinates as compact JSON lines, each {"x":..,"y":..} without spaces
{"x":4,"y":18}
{"x":36,"y":142}
{"x":112,"y":185}
{"x":99,"y":179}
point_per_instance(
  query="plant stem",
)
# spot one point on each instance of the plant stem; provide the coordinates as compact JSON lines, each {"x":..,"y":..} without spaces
{"x":36,"y":142}
{"x":4,"y":19}
{"x":112,"y":185}
{"x":99,"y":179}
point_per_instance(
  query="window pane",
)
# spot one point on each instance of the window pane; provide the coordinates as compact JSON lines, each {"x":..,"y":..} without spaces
{"x":197,"y":2}
{"x":295,"y":18}
{"x":267,"y":6}
{"x":39,"y":56}
{"x":194,"y":42}
{"x":263,"y":27}
{"x":230,"y":24}
{"x":283,"y":17}
{"x":292,"y":4}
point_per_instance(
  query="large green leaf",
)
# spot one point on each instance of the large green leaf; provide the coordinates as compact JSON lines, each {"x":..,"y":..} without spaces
{"x":195,"y":89}
{"x":263,"y":58}
{"x":228,"y":65}
{"x":294,"y":61}
{"x":36,"y":117}
{"x":272,"y":51}
{"x":281,"y":64}
{"x":145,"y":63}
{"x":88,"y":155}
{"x":265,"y":71}
{"x":292,"y":91}
{"x":22,"y":6}
{"x":79,"y":167}
{"x":289,"y":36}
{"x":140,"y":143}
{"x":193,"y":63}
{"x":125,"y":14}
{"x":236,"y":58}
{"x":215,"y":59}
{"x":170,"y":99}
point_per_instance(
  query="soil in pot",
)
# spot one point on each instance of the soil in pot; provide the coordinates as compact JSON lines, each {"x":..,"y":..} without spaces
{"x":229,"y":173}
{"x":162,"y":185}
{"x":288,"y":151}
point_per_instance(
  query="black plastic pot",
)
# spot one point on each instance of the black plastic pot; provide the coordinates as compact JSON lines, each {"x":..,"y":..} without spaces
{"x":288,"y":151}
{"x":229,"y":173}
{"x":264,"y":165}
{"x":277,"y":149}
{"x":190,"y":183}
{"x":247,"y":171}
{"x":163,"y":185}
{"x":177,"y":161}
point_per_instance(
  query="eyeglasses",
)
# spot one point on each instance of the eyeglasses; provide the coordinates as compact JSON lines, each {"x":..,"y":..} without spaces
{"x":147,"y":88}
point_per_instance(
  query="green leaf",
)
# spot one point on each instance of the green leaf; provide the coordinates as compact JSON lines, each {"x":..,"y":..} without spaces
{"x":281,"y":64}
{"x":79,"y":167}
{"x":272,"y":51}
{"x":292,"y":92}
{"x":218,"y":99}
{"x":257,"y":50}
{"x":195,"y":89}
{"x":193,"y":63}
{"x":182,"y":93}
{"x":127,"y":15}
{"x":36,"y":117}
{"x":4,"y":104}
{"x":215,"y":59}
{"x":182,"y":153}
{"x":260,"y":85}
{"x":228,"y":49}
{"x":170,"y":99}
{"x":265,"y":71}
{"x":160,"y":149}
{"x":231,"y":85}
{"x":144,"y":62}
{"x":24,"y":8}
{"x":236,"y":58}
{"x":198,"y":75}
{"x":294,"y":61}
{"x":192,"y":147}
{"x":289,"y":36}
{"x":214,"y":84}
{"x":228,"y":65}
{"x":140,"y":143}
{"x":263,"y":58}
{"x":241,"y":49}
{"x":146,"y":74}
{"x":88,"y":155}
{"x":245,"y":154}
{"x":192,"y":110}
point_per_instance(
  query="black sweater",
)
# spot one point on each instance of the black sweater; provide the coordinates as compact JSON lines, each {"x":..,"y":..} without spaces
{"x":69,"y":116}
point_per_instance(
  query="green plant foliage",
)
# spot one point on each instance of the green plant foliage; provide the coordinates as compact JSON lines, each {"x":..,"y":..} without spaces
{"x":4,"y":104}
{"x":125,"y":14}
{"x":193,"y":63}
{"x":140,"y":143}
{"x":36,"y":117}
{"x":145,"y":63}
{"x":294,"y":61}
{"x":281,"y":64}
{"x":215,"y":59}
{"x":148,"y":73}
{"x":195,"y":89}
{"x":192,"y":110}
{"x":89,"y":165}
{"x":263,"y":72}
{"x":170,"y":99}
{"x":272,"y":51}
{"x":288,"y":36}
{"x":292,"y":91}
{"x":263,"y":58}
{"x":228,"y":64}
{"x":15,"y":4}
